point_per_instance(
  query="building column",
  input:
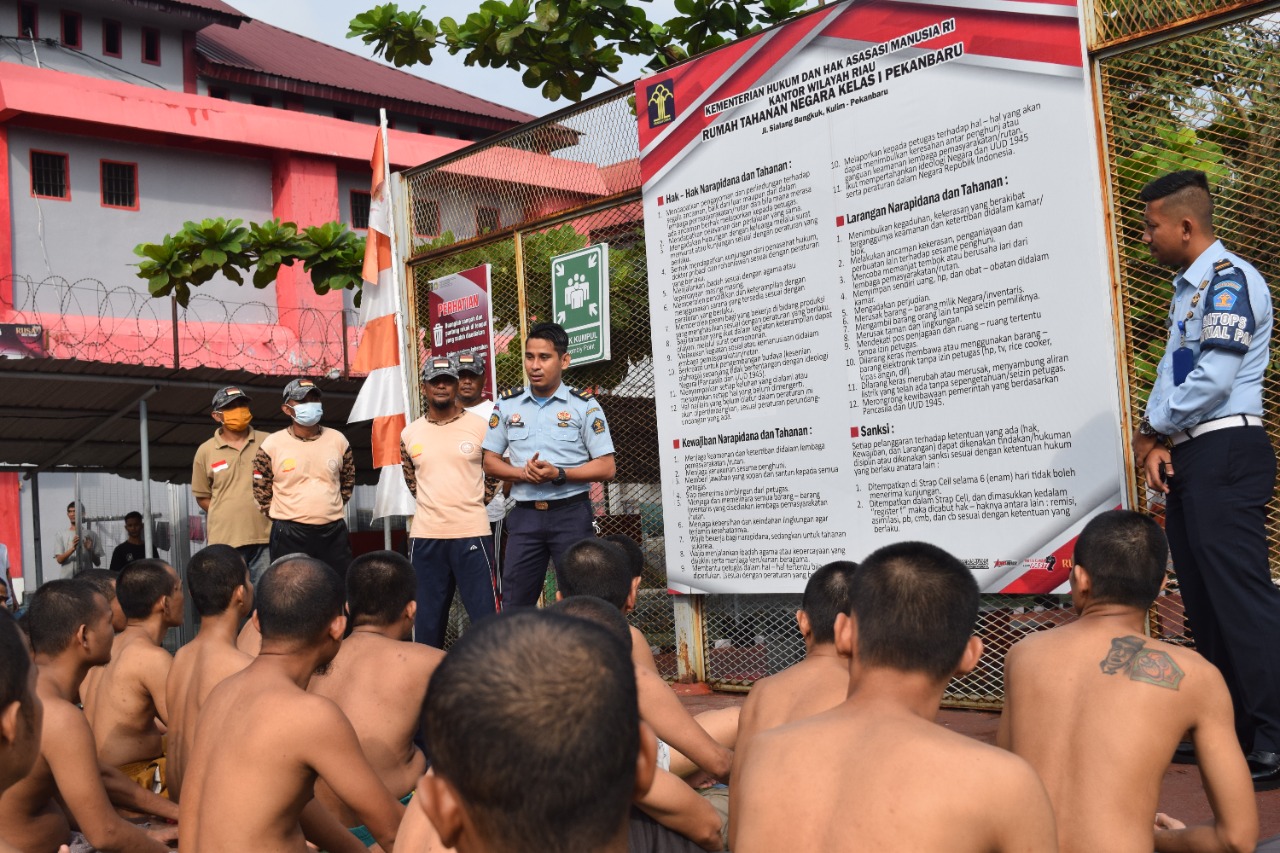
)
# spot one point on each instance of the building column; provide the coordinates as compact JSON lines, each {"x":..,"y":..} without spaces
{"x":11,"y":520}
{"x":6,"y":229}
{"x":305,"y":191}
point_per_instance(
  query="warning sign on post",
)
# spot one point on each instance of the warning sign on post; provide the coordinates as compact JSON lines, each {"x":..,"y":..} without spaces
{"x":580,"y":301}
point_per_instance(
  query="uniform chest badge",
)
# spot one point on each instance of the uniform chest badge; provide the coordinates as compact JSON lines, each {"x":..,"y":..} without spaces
{"x":515,"y":420}
{"x":220,"y":465}
{"x":563,"y":416}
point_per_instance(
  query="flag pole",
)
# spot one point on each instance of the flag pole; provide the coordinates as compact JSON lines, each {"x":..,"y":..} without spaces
{"x":397,"y":265}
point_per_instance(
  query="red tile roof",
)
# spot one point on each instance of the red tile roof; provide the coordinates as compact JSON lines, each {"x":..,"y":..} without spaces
{"x":265,"y":52}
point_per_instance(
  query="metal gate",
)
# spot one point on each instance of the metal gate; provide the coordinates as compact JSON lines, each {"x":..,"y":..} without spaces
{"x":1181,"y":83}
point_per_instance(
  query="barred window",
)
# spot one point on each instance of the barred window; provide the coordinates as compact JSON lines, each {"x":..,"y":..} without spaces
{"x":360,"y":209}
{"x":426,"y":217}
{"x":111,"y":38}
{"x":150,"y":46}
{"x":49,"y":175}
{"x":487,"y":220}
{"x":71,"y":29}
{"x":120,"y":185}
{"x":28,"y":20}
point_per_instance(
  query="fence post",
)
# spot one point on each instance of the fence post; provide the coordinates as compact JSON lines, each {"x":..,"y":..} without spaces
{"x":518,"y":239}
{"x":691,"y":662}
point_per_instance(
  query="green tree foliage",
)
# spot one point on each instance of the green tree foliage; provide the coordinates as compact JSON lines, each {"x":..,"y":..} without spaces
{"x":331,"y":254}
{"x":628,"y":297}
{"x":563,"y":47}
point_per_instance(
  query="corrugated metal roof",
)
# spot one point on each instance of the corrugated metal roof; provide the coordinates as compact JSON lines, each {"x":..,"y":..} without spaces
{"x":262,"y":48}
{"x":49,"y":404}
{"x":223,"y":12}
{"x":211,"y":5}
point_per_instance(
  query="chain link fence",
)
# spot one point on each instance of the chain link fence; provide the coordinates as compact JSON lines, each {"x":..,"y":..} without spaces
{"x":1206,"y":99}
{"x":1202,"y":98}
{"x":514,"y":203}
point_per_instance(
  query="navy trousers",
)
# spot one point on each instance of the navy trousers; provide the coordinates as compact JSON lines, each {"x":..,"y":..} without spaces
{"x":1216,"y":523}
{"x":445,"y":565}
{"x":535,"y":536}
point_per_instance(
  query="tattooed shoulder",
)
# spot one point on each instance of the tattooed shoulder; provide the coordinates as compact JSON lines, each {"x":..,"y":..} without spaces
{"x":1129,"y":656}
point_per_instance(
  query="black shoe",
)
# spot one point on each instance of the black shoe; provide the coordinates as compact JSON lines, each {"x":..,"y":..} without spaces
{"x":1265,"y":769}
{"x":1185,"y":753}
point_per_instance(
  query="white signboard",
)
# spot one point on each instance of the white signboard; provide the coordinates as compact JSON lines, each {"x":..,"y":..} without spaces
{"x":880,"y":294}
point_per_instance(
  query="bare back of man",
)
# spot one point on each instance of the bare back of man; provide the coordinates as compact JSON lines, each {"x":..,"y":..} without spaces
{"x":868,"y":776}
{"x":129,"y":699}
{"x":261,"y":743}
{"x":198,"y":667}
{"x":816,"y":684}
{"x":381,"y":685}
{"x":1098,"y":711}
{"x":67,"y":776}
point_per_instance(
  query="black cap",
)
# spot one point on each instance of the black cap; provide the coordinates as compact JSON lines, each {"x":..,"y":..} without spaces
{"x":439,"y":365}
{"x":471,"y":362}
{"x":298,"y":389}
{"x":228,"y":396}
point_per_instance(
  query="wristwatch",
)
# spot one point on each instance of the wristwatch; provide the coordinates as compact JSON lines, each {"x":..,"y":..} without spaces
{"x":559,"y":478}
{"x":1145,"y":428}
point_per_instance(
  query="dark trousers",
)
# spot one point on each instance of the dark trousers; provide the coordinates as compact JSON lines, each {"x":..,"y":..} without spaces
{"x":533,"y":537}
{"x":328,"y":542}
{"x":443,"y":565}
{"x":1216,"y":517}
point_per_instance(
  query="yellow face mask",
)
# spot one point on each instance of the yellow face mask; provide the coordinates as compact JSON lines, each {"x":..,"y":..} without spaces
{"x":237,"y":419}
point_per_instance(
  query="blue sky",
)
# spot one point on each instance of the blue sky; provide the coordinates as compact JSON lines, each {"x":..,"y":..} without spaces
{"x":326,"y":21}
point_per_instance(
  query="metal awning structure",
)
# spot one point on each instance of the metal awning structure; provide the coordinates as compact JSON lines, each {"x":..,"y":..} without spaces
{"x":137,"y":421}
{"x":87,"y":416}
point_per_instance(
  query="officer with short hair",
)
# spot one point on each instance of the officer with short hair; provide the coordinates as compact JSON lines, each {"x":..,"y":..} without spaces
{"x":558,"y":442}
{"x":1203,"y":444}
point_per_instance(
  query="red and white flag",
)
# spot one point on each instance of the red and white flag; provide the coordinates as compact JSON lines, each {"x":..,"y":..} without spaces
{"x":382,"y":397}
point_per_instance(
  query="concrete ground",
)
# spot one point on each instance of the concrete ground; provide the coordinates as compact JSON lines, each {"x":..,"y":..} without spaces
{"x":1182,"y":795}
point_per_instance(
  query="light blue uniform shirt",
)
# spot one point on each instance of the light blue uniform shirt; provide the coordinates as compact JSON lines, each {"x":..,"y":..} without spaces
{"x":564,"y":429}
{"x":1227,"y":377}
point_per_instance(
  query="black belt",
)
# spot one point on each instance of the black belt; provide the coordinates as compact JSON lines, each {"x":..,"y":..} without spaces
{"x":584,"y":497}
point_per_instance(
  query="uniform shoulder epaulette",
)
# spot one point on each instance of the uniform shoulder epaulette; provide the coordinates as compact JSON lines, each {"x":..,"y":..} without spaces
{"x":582,"y":395}
{"x":1223,"y":265}
{"x":514,"y":391}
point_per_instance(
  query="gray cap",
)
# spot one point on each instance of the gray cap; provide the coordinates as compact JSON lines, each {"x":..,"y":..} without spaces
{"x":471,"y":362}
{"x":439,"y":365}
{"x":229,"y":396}
{"x":298,"y":389}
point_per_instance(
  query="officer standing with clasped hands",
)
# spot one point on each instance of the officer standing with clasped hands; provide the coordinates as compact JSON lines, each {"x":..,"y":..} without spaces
{"x":559,"y":444}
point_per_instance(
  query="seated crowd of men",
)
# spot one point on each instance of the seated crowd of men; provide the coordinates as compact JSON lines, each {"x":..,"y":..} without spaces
{"x":551,"y":730}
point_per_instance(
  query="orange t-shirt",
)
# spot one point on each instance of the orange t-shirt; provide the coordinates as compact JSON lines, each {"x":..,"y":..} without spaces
{"x":445,"y":459}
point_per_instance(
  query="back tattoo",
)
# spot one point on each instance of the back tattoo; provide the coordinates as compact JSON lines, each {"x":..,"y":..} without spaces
{"x":1129,"y":655}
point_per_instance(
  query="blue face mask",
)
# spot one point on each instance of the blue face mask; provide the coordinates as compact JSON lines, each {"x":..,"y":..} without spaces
{"x":308,"y":414}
